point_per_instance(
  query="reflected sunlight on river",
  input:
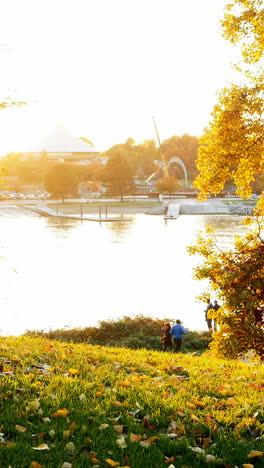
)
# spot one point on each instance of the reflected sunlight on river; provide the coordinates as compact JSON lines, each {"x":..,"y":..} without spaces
{"x":57,"y":273}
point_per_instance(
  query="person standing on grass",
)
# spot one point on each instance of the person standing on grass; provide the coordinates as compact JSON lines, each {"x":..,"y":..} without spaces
{"x":207,"y":319}
{"x":178,"y":332}
{"x":166,"y":339}
{"x":216,"y":306}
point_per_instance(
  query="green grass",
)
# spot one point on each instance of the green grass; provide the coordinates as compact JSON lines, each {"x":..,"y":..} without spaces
{"x":93,"y":406}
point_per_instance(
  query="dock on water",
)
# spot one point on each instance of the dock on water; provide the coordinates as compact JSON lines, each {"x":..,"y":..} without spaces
{"x":46,"y":211}
{"x":172,"y":212}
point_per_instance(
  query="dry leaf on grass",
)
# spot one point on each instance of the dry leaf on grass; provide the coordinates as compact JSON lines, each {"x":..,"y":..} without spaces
{"x":135,"y":437}
{"x":41,"y":447}
{"x":61,"y":412}
{"x":255,"y":453}
{"x":118,"y":428}
{"x":197,"y":450}
{"x":34,"y":405}
{"x":112,"y":462}
{"x":103,"y":426}
{"x":121,"y":442}
{"x":70,"y":448}
{"x":20,"y":428}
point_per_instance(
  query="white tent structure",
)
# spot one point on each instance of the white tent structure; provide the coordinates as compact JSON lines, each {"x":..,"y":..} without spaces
{"x":60,"y":145}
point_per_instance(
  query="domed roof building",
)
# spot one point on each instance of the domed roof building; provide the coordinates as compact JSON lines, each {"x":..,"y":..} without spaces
{"x":60,"y":145}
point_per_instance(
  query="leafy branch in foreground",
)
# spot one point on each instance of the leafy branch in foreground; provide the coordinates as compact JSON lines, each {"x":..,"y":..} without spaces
{"x":9,"y":103}
{"x":236,"y":277}
{"x":243,"y":25}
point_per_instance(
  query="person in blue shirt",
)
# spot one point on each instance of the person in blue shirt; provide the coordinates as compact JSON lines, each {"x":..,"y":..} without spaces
{"x":178,"y":331}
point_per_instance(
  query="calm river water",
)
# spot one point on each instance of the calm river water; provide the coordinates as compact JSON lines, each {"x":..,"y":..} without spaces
{"x":66,"y":273}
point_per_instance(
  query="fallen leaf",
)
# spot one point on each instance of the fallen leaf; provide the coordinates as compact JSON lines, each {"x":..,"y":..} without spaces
{"x":231,"y":401}
{"x":190,"y":405}
{"x":41,"y":447}
{"x":145,"y":443}
{"x":10,"y":443}
{"x":125,"y":383}
{"x":168,"y":460}
{"x":224,"y":387}
{"x":112,"y":462}
{"x":118,"y":428}
{"x":135,"y":437}
{"x":82,"y":397}
{"x":34,"y":405}
{"x":197,"y":450}
{"x":117,"y":404}
{"x":72,"y":426}
{"x":121,"y":442}
{"x":70,"y":448}
{"x":20,"y":428}
{"x":103,"y":426}
{"x":73,"y":371}
{"x":35,"y":465}
{"x":209,"y":458}
{"x":66,"y":465}
{"x":195,"y":418}
{"x":148,"y":442}
{"x":61,"y":412}
{"x":255,"y":453}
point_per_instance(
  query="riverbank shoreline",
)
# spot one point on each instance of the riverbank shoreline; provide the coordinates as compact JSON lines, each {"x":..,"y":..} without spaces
{"x":80,"y":207}
{"x":157,"y":208}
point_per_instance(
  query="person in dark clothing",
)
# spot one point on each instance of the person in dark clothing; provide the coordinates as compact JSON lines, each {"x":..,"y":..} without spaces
{"x":259,"y":316}
{"x":178,"y":331}
{"x":216,"y":306}
{"x":166,"y":339}
{"x":207,"y":319}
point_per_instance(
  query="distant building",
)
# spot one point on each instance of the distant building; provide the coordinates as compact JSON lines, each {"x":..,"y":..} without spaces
{"x":61,"y":146}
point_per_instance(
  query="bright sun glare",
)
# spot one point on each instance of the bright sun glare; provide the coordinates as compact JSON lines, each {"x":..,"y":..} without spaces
{"x":103,"y":68}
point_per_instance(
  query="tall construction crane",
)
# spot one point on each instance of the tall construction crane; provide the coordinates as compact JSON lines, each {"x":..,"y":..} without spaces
{"x":163,"y":160}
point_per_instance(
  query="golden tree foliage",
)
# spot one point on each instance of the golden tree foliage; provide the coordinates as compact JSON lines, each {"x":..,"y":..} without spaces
{"x":232,"y":148}
{"x":9,"y":103}
{"x":243,"y":24}
{"x":236,"y":277}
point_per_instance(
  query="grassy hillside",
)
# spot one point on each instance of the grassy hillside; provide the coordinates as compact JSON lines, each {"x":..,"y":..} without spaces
{"x":77,"y":405}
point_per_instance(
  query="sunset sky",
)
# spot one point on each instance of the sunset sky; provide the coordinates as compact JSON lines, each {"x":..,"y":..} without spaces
{"x":103,"y":68}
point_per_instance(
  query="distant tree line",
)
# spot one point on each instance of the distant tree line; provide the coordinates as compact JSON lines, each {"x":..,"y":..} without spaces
{"x":126,"y":162}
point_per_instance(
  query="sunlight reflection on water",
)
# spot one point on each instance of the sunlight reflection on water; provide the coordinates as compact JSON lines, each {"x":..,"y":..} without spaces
{"x":57,"y":273}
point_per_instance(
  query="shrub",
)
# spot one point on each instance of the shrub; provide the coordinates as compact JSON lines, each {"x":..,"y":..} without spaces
{"x":134,"y":333}
{"x":195,"y":340}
